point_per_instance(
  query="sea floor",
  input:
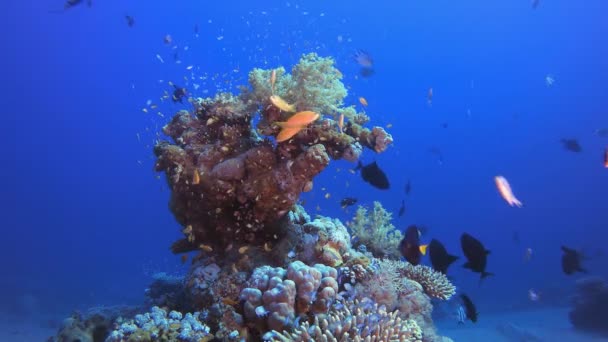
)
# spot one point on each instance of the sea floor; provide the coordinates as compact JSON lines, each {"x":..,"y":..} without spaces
{"x":546,"y":325}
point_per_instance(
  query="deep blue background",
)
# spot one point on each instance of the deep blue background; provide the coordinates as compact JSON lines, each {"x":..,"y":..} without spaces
{"x":85,"y":219}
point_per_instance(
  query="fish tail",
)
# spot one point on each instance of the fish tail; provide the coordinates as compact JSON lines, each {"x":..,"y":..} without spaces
{"x":486,"y":274}
{"x":359,"y":165}
{"x":423,"y":249}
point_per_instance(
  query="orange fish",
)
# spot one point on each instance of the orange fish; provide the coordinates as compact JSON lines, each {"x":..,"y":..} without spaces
{"x":294,"y":124}
{"x":184,"y":258}
{"x":363,"y":101}
{"x":429,"y":96}
{"x":341,"y":122}
{"x":273,"y":79}
{"x":606,"y":157}
{"x":278,"y":102}
{"x":196,"y":177}
{"x":505,"y":191}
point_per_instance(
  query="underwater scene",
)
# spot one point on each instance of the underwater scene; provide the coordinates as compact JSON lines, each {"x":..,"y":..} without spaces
{"x":291,"y":170}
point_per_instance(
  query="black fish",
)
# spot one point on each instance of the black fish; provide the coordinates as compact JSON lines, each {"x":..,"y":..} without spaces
{"x":373,"y":175}
{"x":367,"y":72}
{"x":571,"y":261}
{"x":130,"y":20}
{"x":347,"y":202}
{"x":469,"y":307}
{"x":475,"y":253}
{"x":440,"y":259}
{"x":179,"y":94}
{"x":408,"y":187}
{"x":571,"y":145}
{"x":410,"y":246}
{"x":535,"y":3}
{"x":402,"y":208}
{"x":72,"y":3}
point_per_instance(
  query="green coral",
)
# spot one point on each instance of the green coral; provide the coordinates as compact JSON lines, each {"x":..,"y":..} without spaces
{"x":314,"y":84}
{"x":375,"y":231}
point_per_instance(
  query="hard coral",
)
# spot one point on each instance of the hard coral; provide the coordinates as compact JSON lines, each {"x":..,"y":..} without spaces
{"x":353,"y":321}
{"x":375,"y":231}
{"x":229,"y":184}
{"x":276,"y":296}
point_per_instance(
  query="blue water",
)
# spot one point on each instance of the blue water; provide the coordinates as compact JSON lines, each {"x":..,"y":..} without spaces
{"x":85,"y":217}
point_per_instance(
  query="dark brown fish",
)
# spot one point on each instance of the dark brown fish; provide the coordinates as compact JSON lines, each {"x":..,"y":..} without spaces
{"x":571,"y":261}
{"x":130,"y":20}
{"x":410,"y":246}
{"x":440,"y":258}
{"x":372,"y":174}
{"x":476,"y":254}
{"x":469,"y":307}
{"x":179,"y":93}
{"x":571,"y":145}
{"x":408,"y":187}
{"x":347,"y":202}
{"x":402,"y":208}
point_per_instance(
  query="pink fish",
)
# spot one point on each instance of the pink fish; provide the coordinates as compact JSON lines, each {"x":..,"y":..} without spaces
{"x":505,"y":191}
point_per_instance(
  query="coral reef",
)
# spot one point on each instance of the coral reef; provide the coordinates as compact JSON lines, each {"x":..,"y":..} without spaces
{"x":375,"y":231}
{"x":353,"y":321}
{"x":228,"y":183}
{"x":157,"y":325}
{"x":589,"y":305}
{"x":167,"y":291}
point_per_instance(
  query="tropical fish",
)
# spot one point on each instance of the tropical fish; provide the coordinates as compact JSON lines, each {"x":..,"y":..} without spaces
{"x":401,"y":209}
{"x":363,"y":58}
{"x":341,"y":123}
{"x":347,"y":202}
{"x":130,"y":20}
{"x":571,"y":261}
{"x":476,"y":254}
{"x":601,"y":132}
{"x":533,"y":295}
{"x":505,"y":191}
{"x":410,"y":246}
{"x":295,"y":124}
{"x":429,"y":96}
{"x":373,"y":175}
{"x":273,"y":79}
{"x":196,"y":177}
{"x":606,"y":157}
{"x":278,"y":102}
{"x":571,"y":145}
{"x":408,"y":187}
{"x":469,"y":308}
{"x":528,"y":254}
{"x":461,"y":315}
{"x":167,"y":39}
{"x":179,"y":94}
{"x":440,"y":258}
{"x":363,"y":101}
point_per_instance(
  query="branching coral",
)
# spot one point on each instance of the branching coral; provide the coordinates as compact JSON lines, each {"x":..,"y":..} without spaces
{"x":435,"y":284}
{"x":375,"y":231}
{"x":229,"y":184}
{"x":354,"y":321}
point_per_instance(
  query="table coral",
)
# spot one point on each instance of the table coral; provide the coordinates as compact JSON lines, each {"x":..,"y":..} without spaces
{"x":229,"y":182}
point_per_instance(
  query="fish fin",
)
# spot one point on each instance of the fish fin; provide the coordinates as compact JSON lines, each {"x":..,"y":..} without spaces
{"x":423,"y":249}
{"x":486,"y":274}
{"x":452,"y":258}
{"x":487,"y":251}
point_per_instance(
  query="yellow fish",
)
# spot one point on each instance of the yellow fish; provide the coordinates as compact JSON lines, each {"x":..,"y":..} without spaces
{"x":278,"y":102}
{"x":295,"y":124}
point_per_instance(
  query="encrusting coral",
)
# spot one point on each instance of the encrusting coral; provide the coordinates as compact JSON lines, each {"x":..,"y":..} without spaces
{"x":230,"y":183}
{"x":375,"y":231}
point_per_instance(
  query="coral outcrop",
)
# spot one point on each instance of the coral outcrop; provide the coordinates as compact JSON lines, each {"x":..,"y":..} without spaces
{"x":229,"y":182}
